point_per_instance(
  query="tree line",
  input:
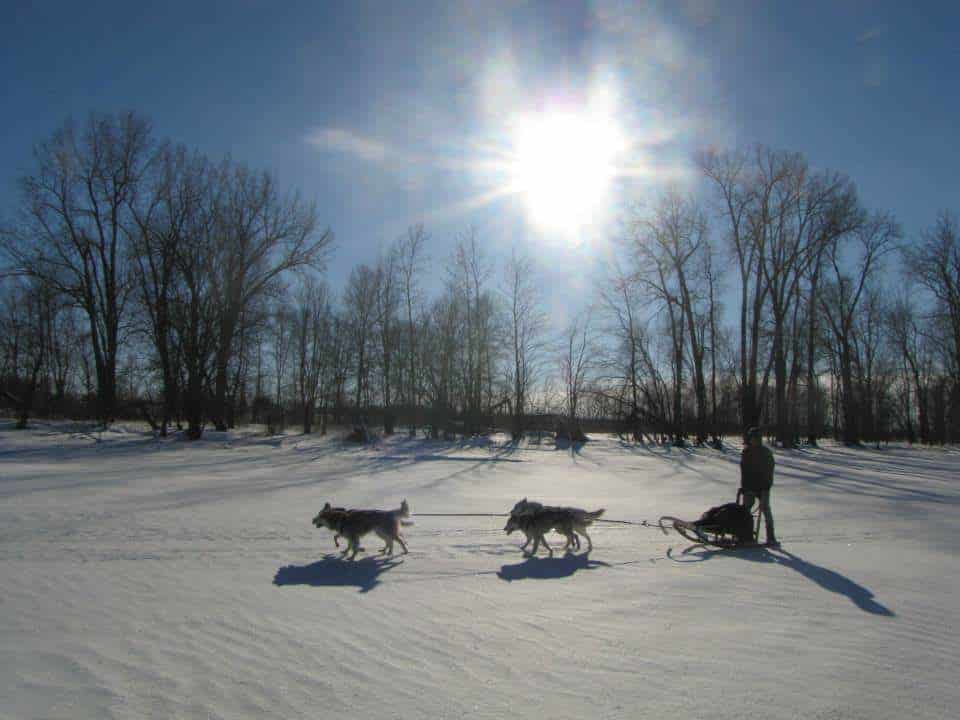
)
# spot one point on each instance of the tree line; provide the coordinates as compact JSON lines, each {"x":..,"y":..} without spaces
{"x":141,"y":278}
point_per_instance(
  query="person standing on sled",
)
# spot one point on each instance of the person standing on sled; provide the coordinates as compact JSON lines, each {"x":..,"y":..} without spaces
{"x":756,"y":479}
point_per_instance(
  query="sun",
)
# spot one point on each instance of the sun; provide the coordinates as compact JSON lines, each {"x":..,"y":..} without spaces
{"x":563,"y":165}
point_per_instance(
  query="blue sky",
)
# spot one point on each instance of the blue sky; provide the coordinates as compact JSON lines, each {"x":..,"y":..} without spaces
{"x":390,"y":113}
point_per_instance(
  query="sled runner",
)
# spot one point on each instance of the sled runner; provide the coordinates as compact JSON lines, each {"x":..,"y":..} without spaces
{"x":726,"y":526}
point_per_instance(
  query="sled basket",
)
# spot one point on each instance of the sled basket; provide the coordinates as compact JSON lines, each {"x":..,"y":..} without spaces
{"x":726,"y":526}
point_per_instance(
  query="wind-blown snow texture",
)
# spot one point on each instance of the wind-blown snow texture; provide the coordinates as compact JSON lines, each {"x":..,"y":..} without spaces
{"x":146,"y":579}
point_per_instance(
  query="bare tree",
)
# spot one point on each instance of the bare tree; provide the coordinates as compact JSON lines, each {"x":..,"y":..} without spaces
{"x":281,"y":338}
{"x":360,"y":302}
{"x":469,"y":273}
{"x":195,"y":316}
{"x":26,"y":312}
{"x":261,"y":235}
{"x":669,"y":247}
{"x":935,"y":263}
{"x":913,"y":346}
{"x":622,"y":365}
{"x":410,"y":257}
{"x":388,"y":301}
{"x":779,"y":214}
{"x":443,"y":342}
{"x":64,"y":345}
{"x":872,"y":358}
{"x":731,"y":175}
{"x":840,"y":216}
{"x":74,"y":227}
{"x":711,"y":276}
{"x":575,"y":363}
{"x":841,"y":300}
{"x":333,"y":381}
{"x":526,"y":332}
{"x":787,"y":218}
{"x":313,"y":325}
{"x":165,"y":213}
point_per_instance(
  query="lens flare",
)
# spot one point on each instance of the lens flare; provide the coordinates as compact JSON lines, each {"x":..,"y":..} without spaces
{"x":563,"y":165}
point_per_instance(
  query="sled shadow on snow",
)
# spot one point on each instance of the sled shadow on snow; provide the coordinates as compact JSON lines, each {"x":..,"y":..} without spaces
{"x":333,"y":571}
{"x":828,"y":579}
{"x":548,"y":568}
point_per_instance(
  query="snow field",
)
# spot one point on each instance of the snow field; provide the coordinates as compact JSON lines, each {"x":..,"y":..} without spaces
{"x":147,"y":579}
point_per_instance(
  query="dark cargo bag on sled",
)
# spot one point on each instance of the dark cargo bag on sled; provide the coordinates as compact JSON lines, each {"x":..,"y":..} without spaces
{"x":729,"y":519}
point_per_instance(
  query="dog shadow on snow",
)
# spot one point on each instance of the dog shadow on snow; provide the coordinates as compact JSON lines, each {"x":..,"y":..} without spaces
{"x":828,"y":579}
{"x":333,"y":570}
{"x":548,"y":568}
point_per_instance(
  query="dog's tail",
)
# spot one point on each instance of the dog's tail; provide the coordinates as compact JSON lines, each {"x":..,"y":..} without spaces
{"x":401,"y":514}
{"x":591,"y":516}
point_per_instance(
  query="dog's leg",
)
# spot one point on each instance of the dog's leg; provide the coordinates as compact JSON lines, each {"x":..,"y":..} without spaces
{"x":336,"y":540}
{"x":589,"y":541}
{"x":536,"y":546}
{"x":387,"y":542}
{"x":576,"y":540}
{"x":402,"y":543}
{"x":355,"y":542}
{"x":525,"y":542}
{"x":547,"y":545}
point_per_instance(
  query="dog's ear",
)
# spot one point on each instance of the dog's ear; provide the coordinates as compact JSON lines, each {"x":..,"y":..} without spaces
{"x":326,"y":506}
{"x":524,"y":501}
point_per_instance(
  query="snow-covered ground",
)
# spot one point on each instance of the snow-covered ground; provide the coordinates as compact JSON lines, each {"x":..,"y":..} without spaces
{"x":174,"y":580}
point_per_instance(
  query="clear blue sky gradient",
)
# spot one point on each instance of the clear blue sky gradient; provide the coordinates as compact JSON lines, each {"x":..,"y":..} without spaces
{"x":401,"y":99}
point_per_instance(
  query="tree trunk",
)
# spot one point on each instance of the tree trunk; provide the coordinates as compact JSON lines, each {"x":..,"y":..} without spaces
{"x":780,"y":399}
{"x":307,"y":418}
{"x":851,"y":428}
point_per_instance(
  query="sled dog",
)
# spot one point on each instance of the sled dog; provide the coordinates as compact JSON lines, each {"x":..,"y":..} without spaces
{"x":535,"y":520}
{"x":329,"y":517}
{"x":354,"y":524}
{"x":525,"y":507}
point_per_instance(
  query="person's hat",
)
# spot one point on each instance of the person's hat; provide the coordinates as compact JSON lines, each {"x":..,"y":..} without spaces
{"x":754,"y":432}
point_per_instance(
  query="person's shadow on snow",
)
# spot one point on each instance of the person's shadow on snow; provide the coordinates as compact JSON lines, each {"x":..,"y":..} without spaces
{"x":548,"y":568}
{"x":828,"y":579}
{"x":333,"y":570}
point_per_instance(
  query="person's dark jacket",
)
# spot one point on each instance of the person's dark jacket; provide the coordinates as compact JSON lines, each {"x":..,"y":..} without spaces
{"x":756,"y":468}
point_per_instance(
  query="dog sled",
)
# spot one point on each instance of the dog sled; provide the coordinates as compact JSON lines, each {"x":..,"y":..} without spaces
{"x":732,"y":525}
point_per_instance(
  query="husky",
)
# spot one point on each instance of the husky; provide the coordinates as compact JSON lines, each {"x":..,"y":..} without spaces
{"x":535,"y":525}
{"x":330,"y":517}
{"x":354,"y":524}
{"x":526,"y":507}
{"x":535,"y":520}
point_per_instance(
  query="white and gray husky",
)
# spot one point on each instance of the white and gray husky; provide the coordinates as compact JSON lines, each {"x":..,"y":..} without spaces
{"x":535,"y":520}
{"x":354,"y":524}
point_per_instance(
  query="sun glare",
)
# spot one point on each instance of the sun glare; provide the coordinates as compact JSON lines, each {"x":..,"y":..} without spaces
{"x":563,"y":165}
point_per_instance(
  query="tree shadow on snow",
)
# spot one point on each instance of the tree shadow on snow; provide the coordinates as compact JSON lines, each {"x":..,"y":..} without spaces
{"x":548,"y":568}
{"x":828,"y":579}
{"x":333,"y":570}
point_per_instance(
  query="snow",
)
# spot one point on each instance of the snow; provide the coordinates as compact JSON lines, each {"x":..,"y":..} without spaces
{"x":141,"y":578}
